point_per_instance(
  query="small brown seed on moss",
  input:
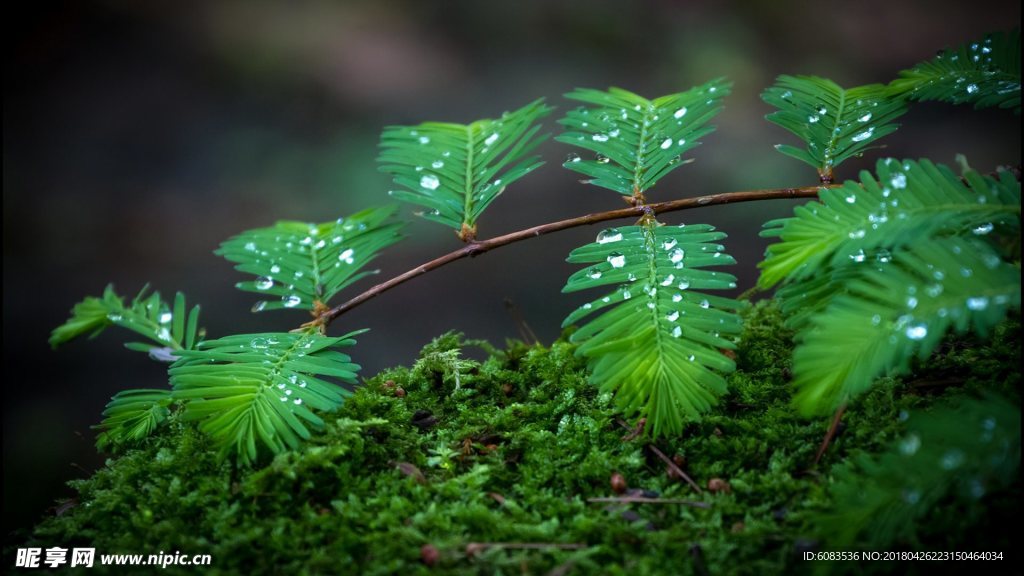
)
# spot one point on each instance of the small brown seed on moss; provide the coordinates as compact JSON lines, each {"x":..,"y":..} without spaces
{"x":619,"y":484}
{"x":719,"y":485}
{"x":400,"y":392}
{"x":429,"y":554}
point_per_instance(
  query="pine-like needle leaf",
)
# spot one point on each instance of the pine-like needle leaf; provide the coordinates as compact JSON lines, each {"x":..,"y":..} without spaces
{"x":638,"y":141}
{"x":836,"y":124}
{"x":985,"y":73}
{"x":132,"y":415}
{"x":168,"y":328}
{"x":657,"y":340}
{"x":899,"y":311}
{"x":960,"y":452}
{"x":300,"y":264}
{"x":905,"y":203}
{"x":455,"y":171}
{"x":249,"y":390}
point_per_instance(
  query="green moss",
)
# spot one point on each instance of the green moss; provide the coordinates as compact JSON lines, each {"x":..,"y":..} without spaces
{"x":452,"y":452}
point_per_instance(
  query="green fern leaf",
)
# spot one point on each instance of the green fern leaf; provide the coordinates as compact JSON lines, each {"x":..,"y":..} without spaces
{"x":835,"y":123}
{"x":984,"y":73}
{"x":455,"y":171}
{"x":961,"y":451}
{"x":907,"y":201}
{"x":132,"y":415}
{"x":638,"y":141}
{"x":253,"y":389}
{"x":900,"y":310}
{"x":168,"y":328}
{"x":657,"y":342}
{"x":302,"y":264}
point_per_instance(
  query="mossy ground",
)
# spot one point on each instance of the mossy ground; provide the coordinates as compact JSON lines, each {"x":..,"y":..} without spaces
{"x":510,"y":451}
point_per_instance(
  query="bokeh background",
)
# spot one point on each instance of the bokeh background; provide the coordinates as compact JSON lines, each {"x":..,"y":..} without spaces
{"x":138,"y":135}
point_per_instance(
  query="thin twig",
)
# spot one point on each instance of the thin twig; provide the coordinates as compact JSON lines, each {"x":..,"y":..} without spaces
{"x":477,"y":546}
{"x":675,"y":467}
{"x":831,"y":433}
{"x":477,"y":247}
{"x":646,"y":500}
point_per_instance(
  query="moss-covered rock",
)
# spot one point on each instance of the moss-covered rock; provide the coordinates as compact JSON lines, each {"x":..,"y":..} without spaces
{"x":450,"y":467}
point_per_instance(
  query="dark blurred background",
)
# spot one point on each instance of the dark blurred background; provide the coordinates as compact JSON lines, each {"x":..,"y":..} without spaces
{"x":138,"y":135}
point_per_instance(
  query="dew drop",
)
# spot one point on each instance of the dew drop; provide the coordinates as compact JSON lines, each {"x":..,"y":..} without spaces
{"x":259,"y":306}
{"x":599,"y":137}
{"x":668,"y":280}
{"x":952,"y":459}
{"x":609,"y":235}
{"x":863,"y":135}
{"x":264,"y":282}
{"x":677,"y":297}
{"x":594,"y":273}
{"x":626,"y":294}
{"x":813,"y":119}
{"x":917,"y":331}
{"x":666,"y":143}
{"x":571,"y":158}
{"x":983,"y":229}
{"x":669,"y":244}
{"x":680,"y":113}
{"x":865,"y":117}
{"x":275,"y":269}
{"x":899,"y":180}
{"x":705,"y":304}
{"x":683,"y":285}
{"x":347,"y":256}
{"x":910,"y":445}
{"x":977,"y":303}
{"x":972,"y":88}
{"x":424,"y":140}
{"x":616,"y":259}
{"x":676,"y":255}
{"x":430,"y":182}
{"x":291,"y":300}
{"x":165,"y":317}
{"x":491,"y":139}
{"x":437,"y":164}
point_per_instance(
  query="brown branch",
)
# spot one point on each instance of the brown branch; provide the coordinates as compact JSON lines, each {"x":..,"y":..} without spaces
{"x":476,"y":247}
{"x":645,"y":500}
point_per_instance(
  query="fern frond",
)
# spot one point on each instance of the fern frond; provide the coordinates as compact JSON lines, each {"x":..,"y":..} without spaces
{"x":638,"y":141}
{"x":657,"y":341}
{"x":303,"y":264}
{"x":132,"y":415}
{"x":456,"y":171}
{"x":984,"y":73}
{"x":835,"y":123}
{"x":907,"y":201}
{"x":960,"y":452}
{"x":891,"y":314}
{"x":252,"y":389}
{"x":168,"y":328}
